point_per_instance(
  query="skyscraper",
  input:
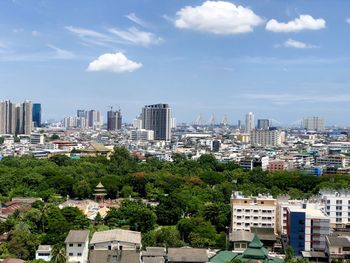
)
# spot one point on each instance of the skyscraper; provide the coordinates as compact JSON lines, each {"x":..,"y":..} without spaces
{"x":16,"y":118}
{"x":157,"y":118}
{"x":249,"y":122}
{"x":114,"y":120}
{"x":314,"y":123}
{"x":263,"y":124}
{"x":37,"y":114}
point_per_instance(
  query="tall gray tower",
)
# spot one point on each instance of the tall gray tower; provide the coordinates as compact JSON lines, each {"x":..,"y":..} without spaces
{"x":157,"y":118}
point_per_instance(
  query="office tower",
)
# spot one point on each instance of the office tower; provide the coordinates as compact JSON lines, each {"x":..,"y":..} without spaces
{"x":37,"y":114}
{"x":157,"y":118}
{"x":25,"y":118}
{"x":249,"y":122}
{"x":263,"y":124}
{"x":81,"y":113}
{"x":137,"y":123}
{"x":314,"y":123}
{"x":7,"y":117}
{"x":114,"y":120}
{"x":70,"y":122}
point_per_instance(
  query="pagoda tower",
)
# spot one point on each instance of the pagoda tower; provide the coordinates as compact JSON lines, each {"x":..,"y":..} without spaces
{"x":100,"y":193}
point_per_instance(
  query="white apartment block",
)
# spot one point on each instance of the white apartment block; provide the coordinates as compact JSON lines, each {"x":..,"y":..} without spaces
{"x":253,"y":211}
{"x":77,"y":246}
{"x":43,"y":252}
{"x":266,"y":138}
{"x":142,"y":135}
{"x":37,"y":138}
{"x":337,"y":206}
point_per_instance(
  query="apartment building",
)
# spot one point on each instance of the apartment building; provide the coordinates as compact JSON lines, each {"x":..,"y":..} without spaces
{"x":337,"y":160}
{"x":266,"y":138}
{"x":307,"y":229}
{"x":77,"y":246}
{"x":253,"y":211}
{"x":337,"y":206}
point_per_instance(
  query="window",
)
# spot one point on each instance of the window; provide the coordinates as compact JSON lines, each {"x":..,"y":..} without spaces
{"x":328,"y":207}
{"x":339,"y":202}
{"x":70,"y":254}
{"x":79,"y":245}
{"x":79,"y":254}
{"x":338,"y":213}
{"x":262,"y":202}
{"x":70,"y":245}
{"x":328,"y":201}
{"x":338,"y":207}
{"x":338,"y":220}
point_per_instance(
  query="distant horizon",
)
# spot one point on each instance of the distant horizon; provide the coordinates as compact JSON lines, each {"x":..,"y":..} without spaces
{"x":281,"y":60}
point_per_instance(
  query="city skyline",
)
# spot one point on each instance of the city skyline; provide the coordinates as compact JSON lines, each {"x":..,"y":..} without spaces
{"x":282,"y":61}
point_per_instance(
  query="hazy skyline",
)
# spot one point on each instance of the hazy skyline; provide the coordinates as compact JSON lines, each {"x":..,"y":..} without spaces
{"x":280,"y":60}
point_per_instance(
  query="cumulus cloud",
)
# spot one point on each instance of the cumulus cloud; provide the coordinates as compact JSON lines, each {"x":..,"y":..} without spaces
{"x":117,"y":63}
{"x":303,"y":22}
{"x":137,"y":37}
{"x":218,"y":17}
{"x":291,"y":43}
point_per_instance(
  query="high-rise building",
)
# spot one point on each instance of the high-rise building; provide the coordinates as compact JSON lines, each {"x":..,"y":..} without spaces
{"x":37,"y":114}
{"x":249,"y":122}
{"x":263,"y":124}
{"x":157,"y":118}
{"x":16,"y":118}
{"x":266,"y":137}
{"x":81,"y":114}
{"x":314,"y":123}
{"x":114,"y":120}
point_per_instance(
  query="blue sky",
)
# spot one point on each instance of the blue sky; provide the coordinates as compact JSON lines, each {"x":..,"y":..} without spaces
{"x":279,"y":59}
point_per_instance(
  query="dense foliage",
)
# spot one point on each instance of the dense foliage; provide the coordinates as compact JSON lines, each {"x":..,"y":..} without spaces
{"x":193,"y":197}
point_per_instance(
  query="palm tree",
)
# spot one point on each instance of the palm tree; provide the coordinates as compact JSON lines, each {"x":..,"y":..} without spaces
{"x":58,"y":254}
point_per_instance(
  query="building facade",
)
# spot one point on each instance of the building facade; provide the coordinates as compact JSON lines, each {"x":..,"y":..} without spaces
{"x":266,"y":138}
{"x":249,"y":122}
{"x":37,"y":114}
{"x":314,"y":123}
{"x":114,"y":120}
{"x":263,"y":124}
{"x":16,"y":118}
{"x":158,"y":118}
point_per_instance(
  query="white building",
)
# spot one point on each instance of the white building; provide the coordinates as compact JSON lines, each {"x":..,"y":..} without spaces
{"x":249,"y":122}
{"x":314,"y":123}
{"x":37,"y":138}
{"x":283,"y":203}
{"x":77,"y":246}
{"x":253,"y":211}
{"x":142,"y":135}
{"x":266,"y":137}
{"x":116,"y":239}
{"x":337,"y":160}
{"x":43,"y":252}
{"x":336,"y":204}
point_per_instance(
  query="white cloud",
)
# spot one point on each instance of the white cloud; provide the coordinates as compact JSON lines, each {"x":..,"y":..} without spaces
{"x":132,"y":17}
{"x":61,"y":53}
{"x":348,"y":20}
{"x":291,"y":43}
{"x":89,"y":36}
{"x":137,"y":37}
{"x":304,"y":22}
{"x":117,"y":63}
{"x":218,"y":17}
{"x":35,"y":33}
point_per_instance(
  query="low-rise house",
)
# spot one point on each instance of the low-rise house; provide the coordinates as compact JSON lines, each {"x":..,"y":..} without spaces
{"x":43,"y":252}
{"x":192,"y":255}
{"x":154,"y":255}
{"x":77,"y":246}
{"x":338,"y":247}
{"x":116,"y":239}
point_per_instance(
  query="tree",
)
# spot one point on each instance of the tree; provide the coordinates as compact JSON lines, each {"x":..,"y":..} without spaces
{"x":167,"y":236}
{"x":54,"y":137}
{"x":82,"y":189}
{"x":2,"y":140}
{"x":169,"y":211}
{"x":59,"y":254}
{"x":289,"y":254}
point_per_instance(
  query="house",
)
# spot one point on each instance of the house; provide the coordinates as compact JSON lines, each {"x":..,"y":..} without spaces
{"x":77,"y":246}
{"x":116,"y":239}
{"x":186,"y":254}
{"x":114,"y":256}
{"x":154,"y":255}
{"x":97,"y":149}
{"x":43,"y":252}
{"x":338,"y":247}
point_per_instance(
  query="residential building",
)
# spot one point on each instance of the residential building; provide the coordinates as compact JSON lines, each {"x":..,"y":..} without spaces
{"x":266,"y":138}
{"x":116,"y":239}
{"x":142,"y":135}
{"x":338,"y":248}
{"x":263,"y":124}
{"x":114,"y":120}
{"x":154,"y":254}
{"x":157,"y":118}
{"x":249,"y":122}
{"x":250,"y":163}
{"x":37,"y":114}
{"x":337,"y":206}
{"x":335,"y":160}
{"x":16,"y":118}
{"x":77,"y":246}
{"x":37,"y":138}
{"x":307,"y":229}
{"x":276,"y":165}
{"x":215,"y":145}
{"x":44,"y":253}
{"x":253,"y":211}
{"x":186,"y":254}
{"x":314,"y":123}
